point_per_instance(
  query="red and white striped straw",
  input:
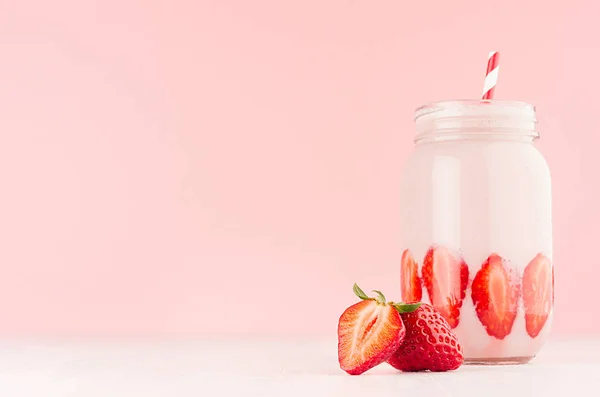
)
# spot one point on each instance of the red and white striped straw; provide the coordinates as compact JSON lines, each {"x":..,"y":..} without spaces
{"x":491,"y":75}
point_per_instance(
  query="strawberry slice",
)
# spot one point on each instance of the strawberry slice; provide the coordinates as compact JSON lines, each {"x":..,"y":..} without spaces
{"x":445,"y":275}
{"x":537,"y":293}
{"x":369,"y":332}
{"x":495,"y":292}
{"x":410,"y":281}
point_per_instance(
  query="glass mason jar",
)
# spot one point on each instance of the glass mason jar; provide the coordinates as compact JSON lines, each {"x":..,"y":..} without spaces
{"x":477,"y":229}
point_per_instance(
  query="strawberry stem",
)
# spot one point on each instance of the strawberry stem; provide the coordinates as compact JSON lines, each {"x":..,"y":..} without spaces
{"x":405,"y":307}
{"x":380,"y":297}
{"x":360,"y":293}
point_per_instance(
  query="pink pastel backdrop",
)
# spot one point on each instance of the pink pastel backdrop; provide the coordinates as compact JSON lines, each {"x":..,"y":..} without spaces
{"x":186,"y":167}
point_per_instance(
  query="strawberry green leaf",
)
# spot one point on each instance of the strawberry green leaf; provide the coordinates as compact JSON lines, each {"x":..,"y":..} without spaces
{"x":380,"y":296}
{"x":360,"y":293}
{"x":406,"y":307}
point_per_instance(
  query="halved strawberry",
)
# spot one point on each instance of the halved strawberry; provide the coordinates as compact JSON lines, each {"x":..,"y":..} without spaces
{"x":537,"y":293}
{"x":410,"y":281}
{"x":495,"y":292}
{"x":368,"y":333}
{"x":445,"y":275}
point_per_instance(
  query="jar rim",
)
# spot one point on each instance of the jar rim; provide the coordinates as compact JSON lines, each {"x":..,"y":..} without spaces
{"x":475,"y":119}
{"x":477,"y":107}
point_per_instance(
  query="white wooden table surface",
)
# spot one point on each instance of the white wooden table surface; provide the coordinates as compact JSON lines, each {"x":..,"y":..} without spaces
{"x":271,"y":367}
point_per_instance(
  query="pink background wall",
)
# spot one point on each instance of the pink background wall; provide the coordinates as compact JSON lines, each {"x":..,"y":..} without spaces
{"x":233,"y":166}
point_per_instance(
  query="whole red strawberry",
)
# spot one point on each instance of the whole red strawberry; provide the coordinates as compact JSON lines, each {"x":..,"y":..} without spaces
{"x":429,"y":343}
{"x":369,"y":332}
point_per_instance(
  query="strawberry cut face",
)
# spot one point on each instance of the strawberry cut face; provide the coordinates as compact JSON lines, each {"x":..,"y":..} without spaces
{"x":368,"y":334}
{"x":538,"y":294}
{"x":495,"y":292}
{"x":445,"y":276}
{"x":410,"y":281}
